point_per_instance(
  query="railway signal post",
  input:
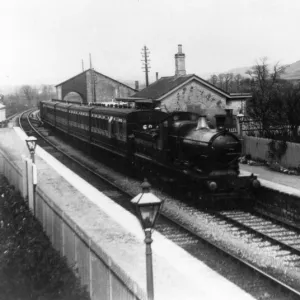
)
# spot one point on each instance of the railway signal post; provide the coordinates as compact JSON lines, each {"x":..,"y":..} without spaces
{"x":147,"y":208}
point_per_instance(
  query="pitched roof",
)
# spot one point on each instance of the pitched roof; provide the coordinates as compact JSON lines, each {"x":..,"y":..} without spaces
{"x":166,"y":85}
{"x":98,"y":74}
{"x":162,"y":86}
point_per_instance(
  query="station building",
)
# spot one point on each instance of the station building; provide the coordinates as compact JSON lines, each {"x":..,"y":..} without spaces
{"x":189,"y":92}
{"x":92,"y":86}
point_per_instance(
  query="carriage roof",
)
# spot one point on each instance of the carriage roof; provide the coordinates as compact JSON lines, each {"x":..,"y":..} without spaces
{"x":133,"y":115}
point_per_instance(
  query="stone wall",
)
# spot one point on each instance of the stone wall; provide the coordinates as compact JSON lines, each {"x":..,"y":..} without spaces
{"x":106,"y":88}
{"x":258,"y":149}
{"x":59,"y":92}
{"x":235,"y":105}
{"x":193,"y":94}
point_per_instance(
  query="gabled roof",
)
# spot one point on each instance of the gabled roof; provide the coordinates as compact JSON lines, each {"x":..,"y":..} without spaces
{"x":98,"y":74}
{"x":167,"y":85}
{"x":162,"y":86}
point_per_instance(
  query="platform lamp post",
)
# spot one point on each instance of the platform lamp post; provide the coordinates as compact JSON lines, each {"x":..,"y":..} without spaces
{"x":147,"y":208}
{"x":31,"y":145}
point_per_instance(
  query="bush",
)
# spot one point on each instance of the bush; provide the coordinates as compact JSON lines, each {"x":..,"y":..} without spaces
{"x":31,"y":268}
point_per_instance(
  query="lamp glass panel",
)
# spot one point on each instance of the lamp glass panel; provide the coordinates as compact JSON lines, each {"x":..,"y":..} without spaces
{"x":31,"y":145}
{"x":148,"y":214}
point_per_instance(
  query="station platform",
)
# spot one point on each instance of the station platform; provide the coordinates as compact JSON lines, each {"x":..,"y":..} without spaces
{"x":263,"y":172}
{"x":106,"y":242}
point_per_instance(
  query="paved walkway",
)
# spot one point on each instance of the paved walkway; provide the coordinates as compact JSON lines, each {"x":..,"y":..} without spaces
{"x":264,"y":172}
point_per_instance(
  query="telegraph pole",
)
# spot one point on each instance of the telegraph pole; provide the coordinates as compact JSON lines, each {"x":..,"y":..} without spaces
{"x":93,"y":80}
{"x":145,"y":62}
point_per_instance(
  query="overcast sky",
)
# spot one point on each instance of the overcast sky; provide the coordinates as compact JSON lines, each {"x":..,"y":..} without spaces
{"x":44,"y":41}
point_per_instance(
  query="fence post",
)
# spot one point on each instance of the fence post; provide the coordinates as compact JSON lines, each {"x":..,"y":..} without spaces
{"x":34,"y":183}
{"x":25,"y":178}
{"x":240,"y":131}
{"x":30,"y":184}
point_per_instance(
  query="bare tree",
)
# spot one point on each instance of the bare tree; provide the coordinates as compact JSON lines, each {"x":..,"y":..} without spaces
{"x":221,"y":78}
{"x":228,"y":77}
{"x":47,"y":92}
{"x":238,"y":79}
{"x":265,"y":102}
{"x":28,"y":93}
{"x":213,"y":79}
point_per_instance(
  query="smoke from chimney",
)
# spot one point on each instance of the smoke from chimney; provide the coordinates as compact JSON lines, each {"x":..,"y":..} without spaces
{"x":180,"y":62}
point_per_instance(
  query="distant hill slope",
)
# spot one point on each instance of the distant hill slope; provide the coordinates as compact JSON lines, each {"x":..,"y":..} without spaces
{"x":292,"y":72}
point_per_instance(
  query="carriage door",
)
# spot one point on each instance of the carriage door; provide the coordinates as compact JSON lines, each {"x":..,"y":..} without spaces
{"x":110,"y":127}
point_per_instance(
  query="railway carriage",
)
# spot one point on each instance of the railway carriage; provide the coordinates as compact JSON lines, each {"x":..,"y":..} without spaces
{"x":109,"y":129}
{"x":79,"y":121}
{"x":61,"y":114}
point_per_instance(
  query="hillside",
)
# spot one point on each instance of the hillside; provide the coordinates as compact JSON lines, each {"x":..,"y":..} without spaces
{"x":292,"y":72}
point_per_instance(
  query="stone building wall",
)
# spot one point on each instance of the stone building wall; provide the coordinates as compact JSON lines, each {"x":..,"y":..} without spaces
{"x":236,"y":105}
{"x":59,"y":92}
{"x":106,"y":88}
{"x":193,"y":94}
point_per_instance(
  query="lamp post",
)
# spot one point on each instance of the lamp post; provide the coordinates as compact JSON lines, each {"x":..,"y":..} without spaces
{"x":147,"y":208}
{"x":31,"y":144}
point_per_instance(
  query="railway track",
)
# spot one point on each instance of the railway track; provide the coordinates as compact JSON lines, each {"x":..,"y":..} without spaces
{"x":258,"y":282}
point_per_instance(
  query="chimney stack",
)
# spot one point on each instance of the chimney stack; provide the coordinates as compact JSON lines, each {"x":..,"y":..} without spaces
{"x":180,"y":62}
{"x":220,"y":122}
{"x":156,"y":76}
{"x":137,"y":85}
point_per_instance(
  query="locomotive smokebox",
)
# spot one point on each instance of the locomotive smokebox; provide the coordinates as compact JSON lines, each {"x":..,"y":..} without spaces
{"x":220,"y":122}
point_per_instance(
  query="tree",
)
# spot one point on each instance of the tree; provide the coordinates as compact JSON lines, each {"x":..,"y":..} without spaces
{"x":238,"y":79}
{"x":213,"y":79}
{"x":265,"y":103}
{"x":290,"y":96}
{"x":221,"y":78}
{"x":46,"y":92}
{"x":228,"y":77}
{"x":28,"y":93}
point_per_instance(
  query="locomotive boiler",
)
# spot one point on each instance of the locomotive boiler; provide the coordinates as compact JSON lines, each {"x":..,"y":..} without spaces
{"x":178,"y":147}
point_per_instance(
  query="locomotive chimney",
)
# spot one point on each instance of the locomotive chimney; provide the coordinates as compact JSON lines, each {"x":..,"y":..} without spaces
{"x":202,"y":123}
{"x":137,"y":85}
{"x":220,"y":122}
{"x":180,"y":62}
{"x":156,"y":74}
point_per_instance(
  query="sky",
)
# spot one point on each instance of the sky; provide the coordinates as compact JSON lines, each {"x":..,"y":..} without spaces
{"x":45,"y":41}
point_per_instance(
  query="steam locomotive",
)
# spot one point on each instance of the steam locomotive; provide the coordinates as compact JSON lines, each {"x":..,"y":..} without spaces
{"x":178,"y":147}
